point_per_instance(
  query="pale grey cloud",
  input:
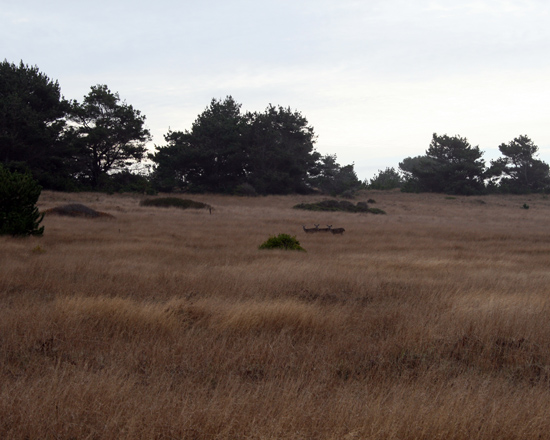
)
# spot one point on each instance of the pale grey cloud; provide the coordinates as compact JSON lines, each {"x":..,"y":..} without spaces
{"x":375,"y":78}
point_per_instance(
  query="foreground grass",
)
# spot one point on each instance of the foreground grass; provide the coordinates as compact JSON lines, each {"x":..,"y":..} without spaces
{"x":429,"y":322}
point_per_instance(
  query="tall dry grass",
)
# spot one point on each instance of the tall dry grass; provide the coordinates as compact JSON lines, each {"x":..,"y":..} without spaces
{"x":429,"y":322}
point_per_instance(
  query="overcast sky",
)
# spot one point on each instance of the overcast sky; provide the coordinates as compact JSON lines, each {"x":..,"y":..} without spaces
{"x":374,"y":78}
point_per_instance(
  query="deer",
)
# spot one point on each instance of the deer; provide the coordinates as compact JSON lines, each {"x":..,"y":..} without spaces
{"x":338,"y":231}
{"x":311,"y":230}
{"x":327,"y":229}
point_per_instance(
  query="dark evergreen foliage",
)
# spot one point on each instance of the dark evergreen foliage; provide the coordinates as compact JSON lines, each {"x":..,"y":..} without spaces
{"x":451,"y":165}
{"x":331,"y":178}
{"x":18,"y":196}
{"x":281,"y":154}
{"x":108,"y":135}
{"x":385,"y":180}
{"x":519,"y":171}
{"x":211,"y":157}
{"x":32,"y":113}
{"x":227,"y":151}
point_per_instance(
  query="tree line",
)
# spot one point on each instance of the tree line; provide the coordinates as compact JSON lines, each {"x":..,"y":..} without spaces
{"x":95,"y":145}
{"x":269,"y":152}
{"x":452,"y":165}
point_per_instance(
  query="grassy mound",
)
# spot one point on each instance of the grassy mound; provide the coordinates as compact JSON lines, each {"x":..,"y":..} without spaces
{"x":77,"y":210}
{"x":282,"y":241}
{"x":174,"y":202}
{"x":335,"y":205}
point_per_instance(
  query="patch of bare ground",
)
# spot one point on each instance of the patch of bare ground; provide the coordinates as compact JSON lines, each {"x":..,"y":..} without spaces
{"x":428,"y":322}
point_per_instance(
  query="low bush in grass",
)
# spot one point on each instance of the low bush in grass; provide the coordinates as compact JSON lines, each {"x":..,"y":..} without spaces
{"x":282,"y":241}
{"x":335,"y":205}
{"x":174,"y":202}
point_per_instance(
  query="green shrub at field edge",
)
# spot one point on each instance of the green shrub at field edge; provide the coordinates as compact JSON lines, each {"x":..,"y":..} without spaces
{"x":282,"y":241}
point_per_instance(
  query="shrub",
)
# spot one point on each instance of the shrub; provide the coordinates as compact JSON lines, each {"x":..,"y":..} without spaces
{"x":327,"y":205}
{"x":282,"y":241}
{"x":385,"y":180}
{"x":376,"y":211}
{"x":245,"y":189}
{"x":77,"y":210}
{"x":18,"y":196}
{"x":344,"y":205}
{"x":168,"y":202}
{"x":335,"y":205}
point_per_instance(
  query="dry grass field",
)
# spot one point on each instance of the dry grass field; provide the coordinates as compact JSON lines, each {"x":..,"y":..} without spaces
{"x":431,"y":322}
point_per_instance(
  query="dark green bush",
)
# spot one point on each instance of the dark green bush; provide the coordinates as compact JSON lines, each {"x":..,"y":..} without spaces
{"x":77,"y":210}
{"x":376,"y":211}
{"x":325,"y":205}
{"x":282,"y":241}
{"x":18,"y":196}
{"x":168,"y":202}
{"x":245,"y":189}
{"x":335,"y":205}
